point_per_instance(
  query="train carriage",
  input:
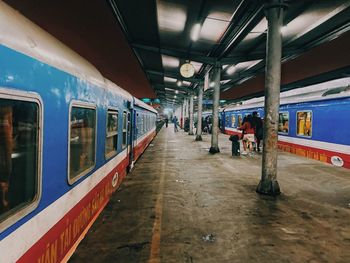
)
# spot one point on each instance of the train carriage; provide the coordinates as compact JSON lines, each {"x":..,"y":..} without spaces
{"x":67,"y":138}
{"x":144,"y":127}
{"x":313,"y":121}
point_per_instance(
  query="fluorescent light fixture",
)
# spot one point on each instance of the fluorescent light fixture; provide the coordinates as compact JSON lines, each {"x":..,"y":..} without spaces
{"x":213,"y":29}
{"x":197,"y":65}
{"x":247,"y":64}
{"x":311,"y":18}
{"x":224,"y":81}
{"x":195,"y":32}
{"x":170,"y":62}
{"x":171,"y":17}
{"x":167,"y":79}
{"x":283,"y":30}
{"x":258,"y":30}
{"x":179,"y":83}
{"x":230,"y":70}
{"x":223,"y":16}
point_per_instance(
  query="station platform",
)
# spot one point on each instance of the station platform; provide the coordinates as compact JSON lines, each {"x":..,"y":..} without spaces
{"x":182,"y":204}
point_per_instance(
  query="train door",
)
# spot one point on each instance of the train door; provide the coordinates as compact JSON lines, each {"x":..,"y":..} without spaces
{"x":131,"y":136}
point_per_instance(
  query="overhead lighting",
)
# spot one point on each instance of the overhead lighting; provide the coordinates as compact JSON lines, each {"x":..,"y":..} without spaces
{"x":197,"y":65}
{"x":179,"y":83}
{"x":230,"y":70}
{"x":175,"y":97}
{"x":171,"y":17}
{"x":195,"y":97}
{"x":283,"y":30}
{"x":176,"y":91}
{"x":213,"y":29}
{"x":212,"y":84}
{"x":167,"y":79}
{"x":170,"y":62}
{"x":195,"y":32}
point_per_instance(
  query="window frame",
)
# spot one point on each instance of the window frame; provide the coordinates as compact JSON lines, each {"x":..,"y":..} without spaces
{"x":114,"y":153}
{"x":296,"y":123}
{"x":284,"y":133}
{"x":84,"y":105}
{"x":25,"y":96}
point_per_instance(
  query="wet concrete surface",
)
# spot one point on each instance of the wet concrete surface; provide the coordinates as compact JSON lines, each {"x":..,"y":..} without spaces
{"x":182,"y":204}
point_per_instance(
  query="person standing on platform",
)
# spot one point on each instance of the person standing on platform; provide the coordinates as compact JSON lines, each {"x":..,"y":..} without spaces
{"x":248,"y":135}
{"x":166,"y":122}
{"x":175,"y":124}
{"x":258,"y":129}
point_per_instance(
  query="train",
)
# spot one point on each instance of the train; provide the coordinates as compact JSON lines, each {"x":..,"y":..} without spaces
{"x":68,"y":137}
{"x":313,"y":121}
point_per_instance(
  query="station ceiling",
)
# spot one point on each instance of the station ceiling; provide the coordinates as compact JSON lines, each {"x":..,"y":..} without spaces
{"x":141,"y":44}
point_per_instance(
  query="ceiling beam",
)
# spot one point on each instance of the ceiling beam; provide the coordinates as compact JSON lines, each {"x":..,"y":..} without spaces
{"x":252,"y":20}
{"x":182,"y":54}
{"x":172,"y":75}
{"x":159,"y":86}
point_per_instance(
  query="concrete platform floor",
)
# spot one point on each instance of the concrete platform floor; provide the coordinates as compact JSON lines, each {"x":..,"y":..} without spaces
{"x":181,"y":204}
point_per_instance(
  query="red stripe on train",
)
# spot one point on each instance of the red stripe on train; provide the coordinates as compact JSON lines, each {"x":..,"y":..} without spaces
{"x":141,"y":146}
{"x":56,"y":243}
{"x":309,"y":152}
{"x":314,"y":153}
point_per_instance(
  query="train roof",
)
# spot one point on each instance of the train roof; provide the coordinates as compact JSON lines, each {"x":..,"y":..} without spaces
{"x":114,"y":87}
{"x":20,"y":34}
{"x":141,"y":104}
{"x":338,"y":88}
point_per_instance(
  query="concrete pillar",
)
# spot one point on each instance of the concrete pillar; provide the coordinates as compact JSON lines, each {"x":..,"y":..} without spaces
{"x":190,"y":132}
{"x":183,"y":115}
{"x":216,"y":97}
{"x":199,"y":114}
{"x":274,"y":14}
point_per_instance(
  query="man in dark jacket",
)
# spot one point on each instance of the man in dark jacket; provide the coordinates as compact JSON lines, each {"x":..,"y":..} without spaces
{"x":258,"y":129}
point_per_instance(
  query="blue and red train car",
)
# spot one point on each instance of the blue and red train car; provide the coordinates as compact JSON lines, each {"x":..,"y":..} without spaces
{"x":67,"y":139}
{"x":313,"y":121}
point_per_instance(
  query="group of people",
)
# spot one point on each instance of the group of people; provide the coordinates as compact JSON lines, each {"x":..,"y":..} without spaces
{"x":175,"y":121}
{"x":252,"y":134}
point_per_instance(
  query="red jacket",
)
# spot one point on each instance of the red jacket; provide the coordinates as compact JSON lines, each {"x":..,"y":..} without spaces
{"x":246,"y":128}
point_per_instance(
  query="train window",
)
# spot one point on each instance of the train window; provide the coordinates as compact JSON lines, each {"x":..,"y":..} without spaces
{"x":81,"y":141}
{"x":240,"y":120}
{"x":111,"y":133}
{"x":146,"y":123}
{"x":19,"y":157}
{"x":227,"y":118}
{"x":304,"y":123}
{"x":283,"y":122}
{"x":143,"y":124}
{"x":233,"y":120}
{"x":125,"y":130}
